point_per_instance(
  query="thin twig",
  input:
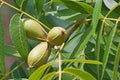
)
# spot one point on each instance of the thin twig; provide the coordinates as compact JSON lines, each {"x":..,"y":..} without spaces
{"x":19,"y":10}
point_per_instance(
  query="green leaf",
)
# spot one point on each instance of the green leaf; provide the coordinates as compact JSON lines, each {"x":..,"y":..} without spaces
{"x":83,"y":61}
{"x":116,"y":63}
{"x":37,"y":74}
{"x":39,"y":6}
{"x":95,"y":19}
{"x":18,"y":36}
{"x":78,"y":6}
{"x":108,"y":47}
{"x":2,"y":55}
{"x":97,"y":47}
{"x":11,"y":51}
{"x":49,"y":76}
{"x":79,"y":73}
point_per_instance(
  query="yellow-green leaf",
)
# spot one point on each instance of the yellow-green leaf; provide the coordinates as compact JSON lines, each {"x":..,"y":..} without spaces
{"x":82,"y":75}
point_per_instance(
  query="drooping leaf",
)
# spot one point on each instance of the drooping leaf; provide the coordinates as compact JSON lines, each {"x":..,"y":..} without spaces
{"x":18,"y":36}
{"x":79,"y":73}
{"x":37,"y":74}
{"x":2,"y":55}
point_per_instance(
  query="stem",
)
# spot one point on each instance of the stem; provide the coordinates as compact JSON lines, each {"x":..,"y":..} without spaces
{"x":59,"y":56}
{"x":19,"y":10}
{"x":112,"y":19}
{"x":59,"y":60}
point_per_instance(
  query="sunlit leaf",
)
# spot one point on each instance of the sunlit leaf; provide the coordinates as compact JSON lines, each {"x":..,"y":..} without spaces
{"x":37,"y":74}
{"x":79,"y":73}
{"x":83,"y":61}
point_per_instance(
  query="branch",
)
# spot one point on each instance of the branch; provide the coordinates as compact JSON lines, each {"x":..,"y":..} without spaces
{"x":78,"y":23}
